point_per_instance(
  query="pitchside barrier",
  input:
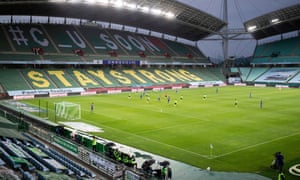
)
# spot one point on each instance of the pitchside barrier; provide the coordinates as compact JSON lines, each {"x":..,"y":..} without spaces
{"x":80,"y":150}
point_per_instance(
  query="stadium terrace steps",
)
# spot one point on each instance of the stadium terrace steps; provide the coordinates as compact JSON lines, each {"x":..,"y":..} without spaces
{"x":62,"y":57}
{"x":286,"y":59}
{"x":67,"y":43}
{"x":46,"y":79}
{"x":66,"y":38}
{"x":10,"y":57}
{"x":7,"y":76}
{"x":58,"y":76}
{"x":86,"y":79}
{"x":122,"y":39}
{"x":4,"y":44}
{"x":244,"y":72}
{"x":255,"y":73}
{"x":261,"y":60}
{"x":38,"y":74}
{"x":286,"y":51}
{"x":211,"y":74}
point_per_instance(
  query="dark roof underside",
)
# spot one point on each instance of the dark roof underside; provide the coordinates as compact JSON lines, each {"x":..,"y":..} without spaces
{"x":288,"y":20}
{"x":180,"y":26}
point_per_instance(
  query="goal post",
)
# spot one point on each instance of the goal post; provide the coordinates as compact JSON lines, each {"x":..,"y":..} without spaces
{"x":68,"y":110}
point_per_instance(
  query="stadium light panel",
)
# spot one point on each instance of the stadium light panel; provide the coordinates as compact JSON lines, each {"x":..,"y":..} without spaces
{"x":103,"y":1}
{"x":156,"y":11}
{"x":75,"y":1}
{"x":169,"y":14}
{"x":59,"y":1}
{"x":274,"y":21}
{"x":144,"y":9}
{"x":130,"y":5}
{"x":90,"y":1}
{"x":117,"y":3}
{"x":251,"y":28}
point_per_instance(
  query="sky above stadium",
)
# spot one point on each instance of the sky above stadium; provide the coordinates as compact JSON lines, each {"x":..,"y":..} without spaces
{"x":239,"y":11}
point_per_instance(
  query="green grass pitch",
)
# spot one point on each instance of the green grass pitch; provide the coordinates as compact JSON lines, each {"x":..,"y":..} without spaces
{"x":244,"y":137}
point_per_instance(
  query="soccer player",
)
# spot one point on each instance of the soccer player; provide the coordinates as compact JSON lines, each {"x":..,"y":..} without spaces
{"x":141,"y":96}
{"x":181,"y":98}
{"x":204,"y":96}
{"x":261,"y":104}
{"x":148,"y":99}
{"x":169,"y":98}
{"x":175,"y":102}
{"x":235,"y":102}
{"x":92,"y":107}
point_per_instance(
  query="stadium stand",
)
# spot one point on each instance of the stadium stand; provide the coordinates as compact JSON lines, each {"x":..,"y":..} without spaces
{"x":39,"y":79}
{"x":284,"y":51}
{"x":72,"y":59}
{"x":66,"y":43}
{"x":13,"y":75}
{"x":244,"y":72}
{"x":255,"y":73}
{"x":26,"y":157}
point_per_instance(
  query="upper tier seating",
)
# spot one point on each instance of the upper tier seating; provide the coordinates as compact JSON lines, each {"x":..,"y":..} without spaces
{"x":285,"y":51}
{"x":67,"y":43}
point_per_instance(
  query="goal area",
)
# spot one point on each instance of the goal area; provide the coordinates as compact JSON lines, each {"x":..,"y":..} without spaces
{"x":68,"y":110}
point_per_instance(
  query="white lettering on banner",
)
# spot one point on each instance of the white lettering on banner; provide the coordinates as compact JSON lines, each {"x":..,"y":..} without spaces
{"x":117,"y":91}
{"x":136,"y":43}
{"x":123,"y":42}
{"x":109,"y":43}
{"x":149,"y":44}
{"x":23,"y":97}
{"x":42,"y":42}
{"x":57,"y":94}
{"x":18,"y":35}
{"x":88,"y":93}
{"x":81,"y":43}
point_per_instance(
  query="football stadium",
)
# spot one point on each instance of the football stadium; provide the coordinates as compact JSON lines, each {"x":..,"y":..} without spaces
{"x":121,"y":89}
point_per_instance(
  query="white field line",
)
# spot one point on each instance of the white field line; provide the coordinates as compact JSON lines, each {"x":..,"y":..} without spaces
{"x":164,"y":144}
{"x":197,"y":154}
{"x":255,"y":145}
{"x":201,"y":155}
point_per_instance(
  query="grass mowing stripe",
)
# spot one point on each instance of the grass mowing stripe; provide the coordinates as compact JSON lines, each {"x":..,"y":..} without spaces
{"x":255,"y":145}
{"x":158,"y":142}
{"x":184,"y":132}
{"x":169,"y":127}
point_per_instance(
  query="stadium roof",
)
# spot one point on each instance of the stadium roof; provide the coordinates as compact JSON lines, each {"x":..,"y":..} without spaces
{"x":276,"y":22}
{"x":184,"y":21}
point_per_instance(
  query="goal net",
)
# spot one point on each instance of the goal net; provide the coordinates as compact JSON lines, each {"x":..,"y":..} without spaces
{"x":68,"y":110}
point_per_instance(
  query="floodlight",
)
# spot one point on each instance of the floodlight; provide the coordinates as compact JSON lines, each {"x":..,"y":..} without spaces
{"x":117,"y":3}
{"x":169,"y":14}
{"x":143,"y":8}
{"x":251,"y":28}
{"x":74,"y":1}
{"x":103,"y":1}
{"x":274,"y":21}
{"x":91,"y":1}
{"x":130,"y":5}
{"x":156,"y":11}
{"x":59,"y":1}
